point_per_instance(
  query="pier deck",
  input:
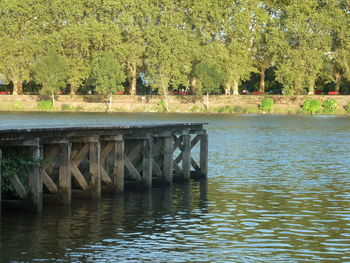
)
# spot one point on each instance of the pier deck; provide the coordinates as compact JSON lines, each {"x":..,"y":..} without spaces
{"x":88,"y":161}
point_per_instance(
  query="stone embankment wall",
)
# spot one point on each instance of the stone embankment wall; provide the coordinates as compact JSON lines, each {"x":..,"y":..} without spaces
{"x":177,"y":103}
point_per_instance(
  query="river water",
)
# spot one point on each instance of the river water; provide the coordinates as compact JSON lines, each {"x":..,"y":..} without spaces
{"x":278,"y":190}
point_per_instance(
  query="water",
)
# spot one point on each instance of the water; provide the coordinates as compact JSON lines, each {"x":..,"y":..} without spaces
{"x":278,"y":191}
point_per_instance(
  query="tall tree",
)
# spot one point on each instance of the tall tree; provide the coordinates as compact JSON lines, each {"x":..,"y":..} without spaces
{"x":306,"y":40}
{"x":20,"y":37}
{"x":107,"y":75}
{"x":169,"y":52}
{"x":51,"y":73}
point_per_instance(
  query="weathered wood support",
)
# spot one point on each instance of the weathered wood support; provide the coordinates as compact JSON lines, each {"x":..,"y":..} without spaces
{"x":0,"y":181}
{"x":147,"y":164}
{"x":85,"y":157}
{"x":95,"y":169}
{"x":168,"y":165}
{"x":186,"y":156}
{"x":119,"y":164}
{"x":203,"y":155}
{"x":35,"y":194}
{"x":65,"y":178}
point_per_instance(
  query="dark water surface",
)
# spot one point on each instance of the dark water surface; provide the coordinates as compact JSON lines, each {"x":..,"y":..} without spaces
{"x":278,"y":191}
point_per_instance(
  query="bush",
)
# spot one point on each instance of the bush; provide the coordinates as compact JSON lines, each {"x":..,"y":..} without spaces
{"x":312,"y":106}
{"x":267,"y":104}
{"x":45,"y":105}
{"x":161,"y":106}
{"x":330,"y":106}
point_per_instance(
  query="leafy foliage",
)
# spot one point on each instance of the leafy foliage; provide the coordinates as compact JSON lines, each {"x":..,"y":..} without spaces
{"x":312,"y":106}
{"x":45,"y":105}
{"x":15,"y":163}
{"x":267,"y":104}
{"x":330,"y":106}
{"x":210,"y":78}
{"x":107,"y":75}
{"x":51,"y":73}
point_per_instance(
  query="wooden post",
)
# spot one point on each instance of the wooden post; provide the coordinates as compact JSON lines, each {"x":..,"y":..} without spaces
{"x":147,"y":163}
{"x":119,"y":164}
{"x":65,"y":178}
{"x":0,"y":181}
{"x":168,"y":159}
{"x":203,"y":155}
{"x":36,"y":180}
{"x":95,"y":172}
{"x":186,"y":157}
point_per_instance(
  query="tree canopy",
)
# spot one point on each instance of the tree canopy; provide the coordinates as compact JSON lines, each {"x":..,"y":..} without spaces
{"x":305,"y":43}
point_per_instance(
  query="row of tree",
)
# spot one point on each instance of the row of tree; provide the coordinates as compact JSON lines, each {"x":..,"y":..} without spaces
{"x":202,"y":44}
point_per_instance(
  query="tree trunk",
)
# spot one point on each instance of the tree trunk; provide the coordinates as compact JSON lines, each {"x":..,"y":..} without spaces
{"x":227,"y":89}
{"x":235,"y":88}
{"x":53,"y":99}
{"x":133,"y":78}
{"x":110,"y":103}
{"x":262,"y":80}
{"x":72,"y":89}
{"x":194,"y":85}
{"x":165,"y":91}
{"x":311,"y":87}
{"x":337,"y":76}
{"x":17,"y":87}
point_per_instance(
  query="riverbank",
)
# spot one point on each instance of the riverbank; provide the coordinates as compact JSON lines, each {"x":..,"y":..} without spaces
{"x":177,"y":103}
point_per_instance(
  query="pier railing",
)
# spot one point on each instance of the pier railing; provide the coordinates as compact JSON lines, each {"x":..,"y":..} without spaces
{"x":90,"y":161}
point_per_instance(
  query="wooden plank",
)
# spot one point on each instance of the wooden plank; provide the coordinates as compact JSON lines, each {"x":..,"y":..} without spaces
{"x":53,"y":141}
{"x":105,"y":177}
{"x":95,"y":169}
{"x":49,"y":183}
{"x":17,"y":184}
{"x":156,"y":169}
{"x":0,"y":181}
{"x":131,"y":168}
{"x":193,"y":143}
{"x":168,"y":159}
{"x":147,"y":163}
{"x":79,"y":177}
{"x":133,"y":154}
{"x":186,"y":157}
{"x":119,"y":165}
{"x":80,"y":155}
{"x":203,"y":156}
{"x":87,"y":139}
{"x":36,"y":181}
{"x":177,"y":168}
{"x":20,"y":143}
{"x":106,"y":150}
{"x":195,"y":165}
{"x":65,"y":177}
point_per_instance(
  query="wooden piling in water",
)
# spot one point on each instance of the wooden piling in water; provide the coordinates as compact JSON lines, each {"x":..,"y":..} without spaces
{"x":89,"y":160}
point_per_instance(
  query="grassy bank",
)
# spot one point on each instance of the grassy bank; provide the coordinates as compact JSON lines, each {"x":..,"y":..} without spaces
{"x":187,"y":104}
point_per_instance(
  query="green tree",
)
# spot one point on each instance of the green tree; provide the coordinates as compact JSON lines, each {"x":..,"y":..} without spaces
{"x":20,"y":37}
{"x":306,"y":39}
{"x":107,"y":75}
{"x":51,"y":73}
{"x":209,"y":77}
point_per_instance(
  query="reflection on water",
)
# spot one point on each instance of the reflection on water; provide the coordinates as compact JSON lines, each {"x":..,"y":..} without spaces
{"x":278,"y":191}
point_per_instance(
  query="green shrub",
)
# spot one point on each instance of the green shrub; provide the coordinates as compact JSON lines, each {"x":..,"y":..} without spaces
{"x":45,"y":105}
{"x":347,"y":108}
{"x":312,"y":106}
{"x":330,"y":106}
{"x":267,"y":104}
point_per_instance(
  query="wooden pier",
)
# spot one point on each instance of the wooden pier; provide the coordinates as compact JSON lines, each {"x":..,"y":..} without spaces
{"x":91,"y":161}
